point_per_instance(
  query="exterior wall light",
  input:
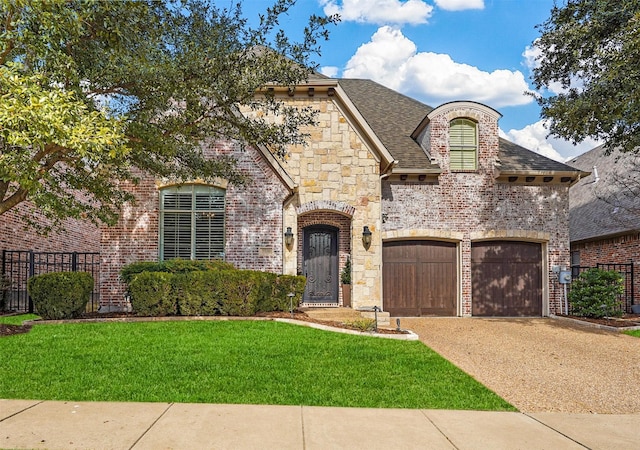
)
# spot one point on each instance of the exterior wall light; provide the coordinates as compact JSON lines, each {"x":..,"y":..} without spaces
{"x":288,"y":238}
{"x":366,"y":237}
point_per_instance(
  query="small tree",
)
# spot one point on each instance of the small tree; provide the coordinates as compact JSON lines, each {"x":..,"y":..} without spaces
{"x":596,"y":293}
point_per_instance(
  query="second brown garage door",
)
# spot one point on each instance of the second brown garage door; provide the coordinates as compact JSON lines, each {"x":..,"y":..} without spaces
{"x":419,"y":278}
{"x":506,"y":279}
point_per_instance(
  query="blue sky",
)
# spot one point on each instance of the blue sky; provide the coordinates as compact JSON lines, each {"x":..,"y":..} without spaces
{"x":441,"y":50}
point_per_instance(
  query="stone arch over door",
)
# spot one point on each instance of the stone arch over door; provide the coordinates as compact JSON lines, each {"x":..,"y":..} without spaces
{"x":328,"y":220}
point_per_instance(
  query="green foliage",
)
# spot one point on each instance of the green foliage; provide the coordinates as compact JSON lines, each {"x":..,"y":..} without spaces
{"x":199,"y":293}
{"x":282,"y":286}
{"x":363,"y":324}
{"x":60,"y":295}
{"x":590,"y":49}
{"x":94,"y":93}
{"x":345,"y":275}
{"x":152,"y":294}
{"x":171,"y":266}
{"x":596,"y":293}
{"x":207,"y":288}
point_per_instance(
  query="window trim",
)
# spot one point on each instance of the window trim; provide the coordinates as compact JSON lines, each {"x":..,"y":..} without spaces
{"x":463,"y":148}
{"x":193,"y":211}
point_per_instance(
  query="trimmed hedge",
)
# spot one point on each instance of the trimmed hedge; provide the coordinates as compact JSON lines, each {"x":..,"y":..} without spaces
{"x":128,"y":272}
{"x":211,"y":292}
{"x":152,"y":294}
{"x":60,"y":295}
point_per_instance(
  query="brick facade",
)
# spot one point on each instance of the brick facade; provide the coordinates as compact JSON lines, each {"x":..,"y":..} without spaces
{"x":75,"y":235}
{"x":473,"y":206}
{"x":253,"y":237}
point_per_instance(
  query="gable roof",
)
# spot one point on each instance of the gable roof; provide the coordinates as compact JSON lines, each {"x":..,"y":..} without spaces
{"x":599,"y":205}
{"x":394,"y":117}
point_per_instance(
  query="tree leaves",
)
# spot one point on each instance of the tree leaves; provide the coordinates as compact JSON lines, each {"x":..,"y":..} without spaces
{"x":93,"y":91}
{"x":591,"y":48}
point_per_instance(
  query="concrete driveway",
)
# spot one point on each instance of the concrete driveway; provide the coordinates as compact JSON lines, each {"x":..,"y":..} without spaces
{"x":541,"y":365}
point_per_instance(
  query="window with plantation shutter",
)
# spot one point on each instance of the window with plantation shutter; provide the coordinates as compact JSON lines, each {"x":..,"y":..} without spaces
{"x":463,"y":145}
{"x":192,"y":222}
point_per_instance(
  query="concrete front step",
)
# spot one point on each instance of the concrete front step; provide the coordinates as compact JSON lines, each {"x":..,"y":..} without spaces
{"x":346,"y":314}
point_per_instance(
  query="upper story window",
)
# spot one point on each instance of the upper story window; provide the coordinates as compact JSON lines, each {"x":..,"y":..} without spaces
{"x":192,"y":222}
{"x":463,"y":145}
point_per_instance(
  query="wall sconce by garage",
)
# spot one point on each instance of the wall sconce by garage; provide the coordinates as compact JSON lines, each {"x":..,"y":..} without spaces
{"x":288,"y":238}
{"x":366,"y":237}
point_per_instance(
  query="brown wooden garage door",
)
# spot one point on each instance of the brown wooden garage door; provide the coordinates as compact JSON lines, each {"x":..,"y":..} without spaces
{"x":506,"y":279}
{"x":419,"y":278}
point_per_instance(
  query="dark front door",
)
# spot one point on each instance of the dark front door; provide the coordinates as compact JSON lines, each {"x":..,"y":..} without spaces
{"x":321,"y":264}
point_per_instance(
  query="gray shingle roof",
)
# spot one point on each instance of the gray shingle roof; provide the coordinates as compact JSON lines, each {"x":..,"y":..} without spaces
{"x":604,"y":207}
{"x":515,"y":158}
{"x":393,"y":117}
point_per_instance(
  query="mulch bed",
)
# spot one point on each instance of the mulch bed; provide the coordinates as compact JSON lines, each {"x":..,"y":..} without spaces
{"x":627,"y":320}
{"x":8,"y":330}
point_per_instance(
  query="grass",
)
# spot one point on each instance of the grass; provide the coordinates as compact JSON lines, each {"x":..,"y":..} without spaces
{"x":635,"y":333}
{"x":17,"y":319}
{"x":254,"y":362}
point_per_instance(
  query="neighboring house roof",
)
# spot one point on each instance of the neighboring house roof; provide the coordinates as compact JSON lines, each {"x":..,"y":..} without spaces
{"x":607,"y":202}
{"x":393,"y":117}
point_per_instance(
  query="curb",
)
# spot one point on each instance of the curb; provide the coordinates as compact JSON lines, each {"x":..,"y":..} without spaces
{"x":594,"y":325}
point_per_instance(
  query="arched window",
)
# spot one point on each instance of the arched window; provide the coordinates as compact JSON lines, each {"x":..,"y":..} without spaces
{"x":463,"y":145}
{"x":192,"y":222}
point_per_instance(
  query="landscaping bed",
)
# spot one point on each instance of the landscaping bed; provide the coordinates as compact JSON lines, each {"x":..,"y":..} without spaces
{"x":10,"y":329}
{"x":627,"y":320}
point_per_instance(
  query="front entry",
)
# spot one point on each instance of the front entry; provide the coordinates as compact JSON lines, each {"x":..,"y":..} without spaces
{"x":320,"y":264}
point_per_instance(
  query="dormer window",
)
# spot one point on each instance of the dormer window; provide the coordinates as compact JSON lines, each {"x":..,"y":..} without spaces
{"x":463,"y":145}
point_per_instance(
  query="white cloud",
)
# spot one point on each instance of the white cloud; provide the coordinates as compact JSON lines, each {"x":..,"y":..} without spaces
{"x":534,"y":137}
{"x":329,"y":71}
{"x":380,"y":11}
{"x":532,"y":55}
{"x":392,"y":59}
{"x":459,"y":5}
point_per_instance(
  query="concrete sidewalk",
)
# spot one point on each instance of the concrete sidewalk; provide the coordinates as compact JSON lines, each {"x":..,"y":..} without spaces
{"x":65,"y":425}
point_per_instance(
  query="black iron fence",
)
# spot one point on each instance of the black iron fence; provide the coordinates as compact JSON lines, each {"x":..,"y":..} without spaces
{"x":18,"y":266}
{"x":626,"y":270}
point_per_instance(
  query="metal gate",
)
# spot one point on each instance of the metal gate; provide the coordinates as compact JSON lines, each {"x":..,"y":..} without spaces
{"x":18,"y":266}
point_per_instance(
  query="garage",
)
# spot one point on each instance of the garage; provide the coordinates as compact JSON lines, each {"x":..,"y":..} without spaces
{"x":419,"y":278}
{"x":506,"y":279}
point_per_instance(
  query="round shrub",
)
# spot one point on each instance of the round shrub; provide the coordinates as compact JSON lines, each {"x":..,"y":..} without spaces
{"x":152,"y":294}
{"x":60,"y":295}
{"x":597,"y":293}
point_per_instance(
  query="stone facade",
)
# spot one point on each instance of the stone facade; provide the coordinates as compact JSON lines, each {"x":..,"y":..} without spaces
{"x":338,"y":178}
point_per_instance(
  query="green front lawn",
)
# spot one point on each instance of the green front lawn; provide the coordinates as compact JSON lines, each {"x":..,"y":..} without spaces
{"x":255,"y":362}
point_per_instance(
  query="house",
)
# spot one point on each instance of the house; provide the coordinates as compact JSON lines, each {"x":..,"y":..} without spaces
{"x":604,"y":215}
{"x":437,"y":213}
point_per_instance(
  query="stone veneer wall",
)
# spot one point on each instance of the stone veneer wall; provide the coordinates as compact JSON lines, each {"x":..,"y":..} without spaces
{"x":613,"y":250}
{"x":337,"y":168}
{"x":253,"y":224}
{"x":473,"y":206}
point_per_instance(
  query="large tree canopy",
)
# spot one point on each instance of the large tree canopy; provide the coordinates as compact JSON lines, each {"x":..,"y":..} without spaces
{"x":92,"y":92}
{"x":591,"y":49}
